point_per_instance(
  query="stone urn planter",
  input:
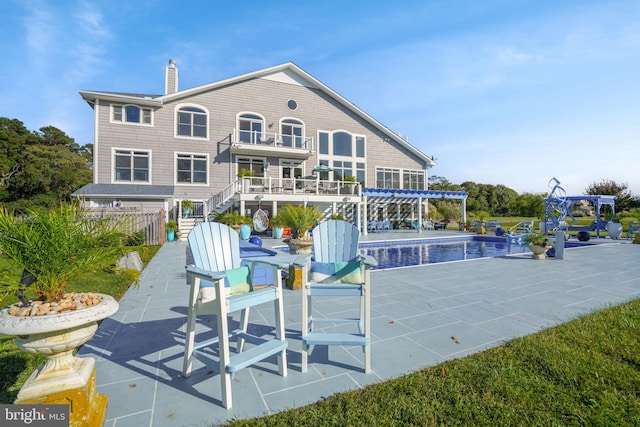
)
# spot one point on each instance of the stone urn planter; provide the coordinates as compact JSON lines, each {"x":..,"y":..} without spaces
{"x":539,"y":252}
{"x":64,"y":378}
{"x":299,"y":246}
{"x":614,"y":229}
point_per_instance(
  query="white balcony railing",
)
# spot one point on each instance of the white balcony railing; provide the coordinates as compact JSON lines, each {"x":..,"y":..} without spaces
{"x":272,"y":139}
{"x":297,"y":186}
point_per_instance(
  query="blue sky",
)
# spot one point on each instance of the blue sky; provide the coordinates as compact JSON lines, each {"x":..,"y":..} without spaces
{"x":500,"y":92}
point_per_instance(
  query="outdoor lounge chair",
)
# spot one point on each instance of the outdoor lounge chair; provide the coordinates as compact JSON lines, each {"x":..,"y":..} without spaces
{"x":221,"y":285}
{"x":440,"y":225}
{"x":338,"y":271}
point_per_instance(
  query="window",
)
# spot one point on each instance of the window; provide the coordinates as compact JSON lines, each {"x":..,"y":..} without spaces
{"x":131,"y":114}
{"x":255,"y":165}
{"x":413,"y":179}
{"x":342,"y":144}
{"x":250,"y":128}
{"x":292,"y":131}
{"x":387,"y":178}
{"x":323,"y":143}
{"x":344,"y":153}
{"x":191,"y":168}
{"x":131,"y":166}
{"x":390,"y":178}
{"x":292,"y":104}
{"x":291,"y":169}
{"x":191,"y":122}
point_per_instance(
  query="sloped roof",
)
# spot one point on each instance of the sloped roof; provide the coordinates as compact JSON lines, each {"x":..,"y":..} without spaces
{"x":125,"y":190}
{"x":283,"y":72}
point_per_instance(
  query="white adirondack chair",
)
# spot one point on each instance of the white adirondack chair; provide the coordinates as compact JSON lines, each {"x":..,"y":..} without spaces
{"x":216,"y":255}
{"x":335,"y":246}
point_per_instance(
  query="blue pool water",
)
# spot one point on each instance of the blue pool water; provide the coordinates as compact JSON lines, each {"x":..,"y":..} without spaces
{"x":395,"y":254}
{"x":405,"y":253}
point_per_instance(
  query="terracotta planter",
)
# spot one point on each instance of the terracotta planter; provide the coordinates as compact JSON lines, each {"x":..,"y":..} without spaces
{"x":64,"y":377}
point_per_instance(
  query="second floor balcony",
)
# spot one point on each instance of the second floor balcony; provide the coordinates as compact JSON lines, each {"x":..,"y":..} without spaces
{"x":271,"y":144}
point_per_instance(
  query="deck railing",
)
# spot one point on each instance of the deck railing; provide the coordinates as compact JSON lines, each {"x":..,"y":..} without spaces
{"x":273,"y":139}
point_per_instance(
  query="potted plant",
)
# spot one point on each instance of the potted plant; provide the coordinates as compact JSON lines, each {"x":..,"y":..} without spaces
{"x":234,"y":220}
{"x":537,"y":242}
{"x":187,"y":206}
{"x":300,"y":219}
{"x":481,"y":227}
{"x":51,"y":247}
{"x":171,"y":227}
{"x":614,"y":227}
{"x":245,"y":175}
{"x":277,"y":226}
{"x":350,"y":182}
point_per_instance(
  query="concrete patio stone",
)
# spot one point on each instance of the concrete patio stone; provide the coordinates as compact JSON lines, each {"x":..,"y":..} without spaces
{"x":421,"y":316}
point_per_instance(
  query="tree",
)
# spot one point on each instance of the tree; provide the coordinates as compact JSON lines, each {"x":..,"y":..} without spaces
{"x":624,"y":198}
{"x":39,"y":168}
{"x":528,"y":205}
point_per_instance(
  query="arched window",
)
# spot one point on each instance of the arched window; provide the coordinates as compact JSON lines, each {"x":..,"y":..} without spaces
{"x":191,"y":122}
{"x":344,"y":153}
{"x":250,"y":128}
{"x":292,"y":131}
{"x":131,"y":114}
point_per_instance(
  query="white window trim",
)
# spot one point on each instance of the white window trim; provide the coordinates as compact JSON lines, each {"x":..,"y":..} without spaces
{"x":175,"y":122}
{"x":113,"y":166}
{"x":302,"y":163}
{"x":241,"y":156}
{"x":416,"y":171}
{"x":124,"y":115}
{"x":175,"y":169}
{"x":263,"y":134}
{"x":353,"y":158}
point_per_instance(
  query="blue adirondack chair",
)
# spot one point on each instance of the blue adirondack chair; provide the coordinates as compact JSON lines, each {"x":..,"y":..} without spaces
{"x":339,"y":270}
{"x":220,"y":285}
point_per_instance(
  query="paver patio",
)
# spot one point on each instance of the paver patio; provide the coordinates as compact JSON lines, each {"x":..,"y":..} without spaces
{"x":416,"y":312}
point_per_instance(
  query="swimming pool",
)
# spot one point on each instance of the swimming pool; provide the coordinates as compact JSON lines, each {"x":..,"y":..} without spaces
{"x":405,"y":253}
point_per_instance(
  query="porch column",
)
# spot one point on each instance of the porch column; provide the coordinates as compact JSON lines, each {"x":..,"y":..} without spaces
{"x":464,"y":211}
{"x":242,"y":208}
{"x":364,"y":222}
{"x":359,"y":215}
{"x":419,"y":214}
{"x":274,"y":208}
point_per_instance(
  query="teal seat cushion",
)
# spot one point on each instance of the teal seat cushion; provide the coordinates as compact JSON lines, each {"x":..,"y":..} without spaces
{"x":339,"y":272}
{"x":238,"y":280}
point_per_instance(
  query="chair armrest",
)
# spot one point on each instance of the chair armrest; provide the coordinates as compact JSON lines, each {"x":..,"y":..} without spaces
{"x":301,"y":260}
{"x":205,"y":274}
{"x":276,"y":261}
{"x":368,"y":260}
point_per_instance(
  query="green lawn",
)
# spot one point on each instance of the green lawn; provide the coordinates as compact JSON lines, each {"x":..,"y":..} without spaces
{"x":15,"y":365}
{"x":586,"y":372}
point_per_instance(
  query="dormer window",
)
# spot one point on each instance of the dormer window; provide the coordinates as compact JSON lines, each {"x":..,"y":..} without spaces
{"x":131,"y":114}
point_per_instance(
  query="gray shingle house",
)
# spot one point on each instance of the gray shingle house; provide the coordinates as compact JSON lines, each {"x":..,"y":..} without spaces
{"x":301,"y":141}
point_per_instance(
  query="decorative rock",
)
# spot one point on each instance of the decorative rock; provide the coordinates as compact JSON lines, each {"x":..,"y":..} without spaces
{"x":131,"y":261}
{"x":70,"y":302}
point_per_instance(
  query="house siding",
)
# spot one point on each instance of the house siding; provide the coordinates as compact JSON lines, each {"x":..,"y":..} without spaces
{"x":265,"y":96}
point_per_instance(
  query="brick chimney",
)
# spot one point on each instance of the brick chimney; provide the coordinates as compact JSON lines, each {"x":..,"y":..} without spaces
{"x":171,"y":78}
